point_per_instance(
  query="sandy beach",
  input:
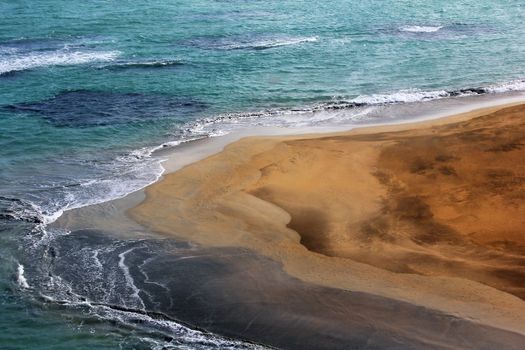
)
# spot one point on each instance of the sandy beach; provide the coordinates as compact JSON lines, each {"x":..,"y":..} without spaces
{"x":429,"y":214}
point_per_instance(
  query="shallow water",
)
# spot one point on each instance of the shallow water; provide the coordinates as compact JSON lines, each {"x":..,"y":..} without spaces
{"x":90,"y":91}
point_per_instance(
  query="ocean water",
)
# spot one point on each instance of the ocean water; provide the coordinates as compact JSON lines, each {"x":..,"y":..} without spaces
{"x":90,"y":90}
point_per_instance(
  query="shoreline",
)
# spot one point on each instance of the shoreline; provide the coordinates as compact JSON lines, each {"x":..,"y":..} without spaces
{"x":193,"y":151}
{"x":174,"y":158}
{"x":476,"y":304}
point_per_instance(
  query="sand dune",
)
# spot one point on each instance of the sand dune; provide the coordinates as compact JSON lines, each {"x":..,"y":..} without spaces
{"x":430,"y":214}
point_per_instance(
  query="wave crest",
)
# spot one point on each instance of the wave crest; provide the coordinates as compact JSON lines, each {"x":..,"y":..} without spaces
{"x":13,"y":63}
{"x":336,"y":111}
{"x":249,"y":42}
{"x":142,"y":64}
{"x":271,"y":43}
{"x":420,"y":29}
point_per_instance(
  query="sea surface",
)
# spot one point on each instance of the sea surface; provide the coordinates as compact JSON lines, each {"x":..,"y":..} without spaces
{"x":91,"y":90}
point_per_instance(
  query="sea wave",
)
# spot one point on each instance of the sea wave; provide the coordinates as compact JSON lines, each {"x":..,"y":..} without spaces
{"x":351,"y":109}
{"x":142,"y":64}
{"x":249,"y":42}
{"x":336,"y":113}
{"x":269,"y":43}
{"x":403,"y":96}
{"x":514,"y":85}
{"x":31,"y":60}
{"x":15,"y":209}
{"x":132,"y":171}
{"x":420,"y":29}
{"x":417,"y":95}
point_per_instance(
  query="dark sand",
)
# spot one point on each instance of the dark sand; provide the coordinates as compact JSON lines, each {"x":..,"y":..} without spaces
{"x":428,"y":218}
{"x":236,"y":293}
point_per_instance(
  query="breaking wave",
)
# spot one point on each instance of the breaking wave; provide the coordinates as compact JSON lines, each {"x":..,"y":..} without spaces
{"x":20,"y":62}
{"x":269,"y":43}
{"x":337,"y":110}
{"x":420,"y":29}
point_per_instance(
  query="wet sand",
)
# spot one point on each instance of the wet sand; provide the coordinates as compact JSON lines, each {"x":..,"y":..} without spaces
{"x":241,"y":295}
{"x":427,"y":215}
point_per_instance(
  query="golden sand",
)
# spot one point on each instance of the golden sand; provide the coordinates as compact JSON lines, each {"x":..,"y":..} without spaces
{"x":430,"y":213}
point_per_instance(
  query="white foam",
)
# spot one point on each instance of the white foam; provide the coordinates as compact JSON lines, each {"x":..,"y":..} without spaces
{"x":420,"y":29}
{"x":183,"y":336}
{"x":32,"y":60}
{"x":190,"y":338}
{"x":138,"y":170}
{"x":97,"y":260}
{"x":8,"y":50}
{"x":129,"y":279}
{"x":20,"y":277}
{"x":143,"y":169}
{"x":48,"y":219}
{"x":514,"y":85}
{"x":146,"y":152}
{"x":402,"y":96}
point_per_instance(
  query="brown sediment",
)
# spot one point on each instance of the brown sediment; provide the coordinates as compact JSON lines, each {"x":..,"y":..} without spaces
{"x":430,"y":214}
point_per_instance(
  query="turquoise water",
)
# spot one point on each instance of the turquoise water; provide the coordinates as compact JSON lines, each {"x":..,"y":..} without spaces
{"x":89,"y":90}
